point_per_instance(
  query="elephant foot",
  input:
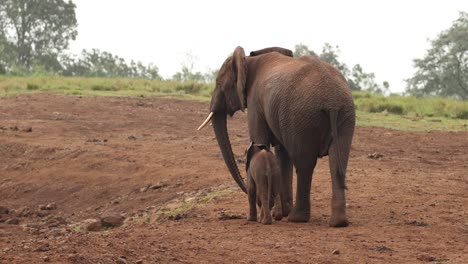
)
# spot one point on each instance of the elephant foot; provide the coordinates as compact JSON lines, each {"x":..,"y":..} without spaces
{"x":267,"y":221}
{"x":278,"y":217}
{"x":252,"y":218}
{"x":339,"y":221}
{"x":298,"y":216}
{"x":286,"y":209}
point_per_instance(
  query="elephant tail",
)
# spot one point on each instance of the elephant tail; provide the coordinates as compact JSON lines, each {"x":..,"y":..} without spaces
{"x":341,"y":177}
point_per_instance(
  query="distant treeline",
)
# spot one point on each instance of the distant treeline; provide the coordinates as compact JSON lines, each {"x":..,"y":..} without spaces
{"x":35,"y":36}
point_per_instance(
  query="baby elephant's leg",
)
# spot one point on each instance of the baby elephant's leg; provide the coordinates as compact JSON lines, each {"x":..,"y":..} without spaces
{"x":266,"y":213}
{"x":278,"y":212}
{"x":252,"y":200}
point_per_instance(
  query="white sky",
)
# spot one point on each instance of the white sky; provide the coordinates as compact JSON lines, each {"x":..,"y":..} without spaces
{"x":384,"y":37}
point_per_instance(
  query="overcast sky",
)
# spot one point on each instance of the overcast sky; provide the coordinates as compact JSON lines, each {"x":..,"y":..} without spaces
{"x":384,"y":37}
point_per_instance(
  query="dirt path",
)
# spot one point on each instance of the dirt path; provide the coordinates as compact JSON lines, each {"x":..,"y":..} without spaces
{"x":144,"y":160}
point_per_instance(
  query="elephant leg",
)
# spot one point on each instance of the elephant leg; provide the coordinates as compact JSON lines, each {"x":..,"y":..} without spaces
{"x":266,"y":213}
{"x":301,"y":210}
{"x":251,"y":191}
{"x":286,"y":167}
{"x":338,"y":161}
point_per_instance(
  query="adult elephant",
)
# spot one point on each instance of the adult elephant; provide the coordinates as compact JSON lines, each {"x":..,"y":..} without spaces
{"x":302,"y":106}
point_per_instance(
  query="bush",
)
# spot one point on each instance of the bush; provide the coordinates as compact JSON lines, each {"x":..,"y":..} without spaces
{"x":102,"y":87}
{"x":189,"y":88}
{"x":463,"y":114}
{"x":32,"y":86}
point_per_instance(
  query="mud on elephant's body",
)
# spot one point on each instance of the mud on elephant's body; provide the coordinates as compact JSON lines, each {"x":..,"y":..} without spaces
{"x":303,"y":107}
{"x":263,"y":183}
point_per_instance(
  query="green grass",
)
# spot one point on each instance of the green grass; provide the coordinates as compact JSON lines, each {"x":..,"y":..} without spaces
{"x":10,"y":86}
{"x":396,"y":112}
{"x":410,"y":123}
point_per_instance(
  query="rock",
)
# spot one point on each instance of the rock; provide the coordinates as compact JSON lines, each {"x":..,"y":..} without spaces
{"x":42,"y":213}
{"x":12,"y":221}
{"x":121,"y":260}
{"x":144,"y":189}
{"x":28,"y":130}
{"x":139,"y":261}
{"x":93,"y":225}
{"x":45,"y":258}
{"x":24,"y":212}
{"x":158,"y":186}
{"x":375,"y":155}
{"x":51,"y":206}
{"x":112,"y":220}
{"x":4,"y":210}
{"x":43,"y":248}
{"x":336,"y":252}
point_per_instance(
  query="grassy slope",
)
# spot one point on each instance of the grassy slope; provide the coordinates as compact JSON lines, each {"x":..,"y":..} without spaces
{"x":397,"y":112}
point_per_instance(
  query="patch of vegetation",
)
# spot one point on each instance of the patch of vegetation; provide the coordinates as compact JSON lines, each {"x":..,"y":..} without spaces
{"x":213,"y":195}
{"x":32,"y":86}
{"x":397,"y":112}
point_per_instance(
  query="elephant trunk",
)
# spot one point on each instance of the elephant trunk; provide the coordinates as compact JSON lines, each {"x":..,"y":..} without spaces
{"x":220,"y":129}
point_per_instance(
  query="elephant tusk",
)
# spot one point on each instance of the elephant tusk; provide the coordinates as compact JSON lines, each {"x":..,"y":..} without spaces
{"x":206,"y":121}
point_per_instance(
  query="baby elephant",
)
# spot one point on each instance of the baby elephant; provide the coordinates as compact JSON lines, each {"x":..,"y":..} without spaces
{"x":263,"y":176}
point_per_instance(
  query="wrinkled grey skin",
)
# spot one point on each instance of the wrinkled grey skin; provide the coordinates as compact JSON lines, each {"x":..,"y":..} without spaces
{"x":263,"y":179}
{"x":301,"y":106}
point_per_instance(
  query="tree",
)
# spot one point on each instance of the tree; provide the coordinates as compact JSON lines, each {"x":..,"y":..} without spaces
{"x":302,"y":50}
{"x":96,"y":63}
{"x":187,"y":72}
{"x":330,"y":55}
{"x":444,"y":69}
{"x":36,"y":31}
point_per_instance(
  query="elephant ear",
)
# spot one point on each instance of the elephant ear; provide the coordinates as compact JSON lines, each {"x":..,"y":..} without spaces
{"x":241,"y":70}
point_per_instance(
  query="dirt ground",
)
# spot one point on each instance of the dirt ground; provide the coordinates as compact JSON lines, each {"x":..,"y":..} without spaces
{"x":65,"y":161}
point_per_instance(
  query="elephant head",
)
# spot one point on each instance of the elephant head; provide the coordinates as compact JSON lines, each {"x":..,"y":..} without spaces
{"x":228,"y":97}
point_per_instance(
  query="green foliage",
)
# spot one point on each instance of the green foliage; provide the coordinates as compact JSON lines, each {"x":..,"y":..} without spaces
{"x":35,"y":32}
{"x":96,"y":63}
{"x":444,"y":69}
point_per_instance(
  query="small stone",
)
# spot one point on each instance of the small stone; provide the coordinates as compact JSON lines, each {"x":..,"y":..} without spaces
{"x":93,"y":225}
{"x":336,"y":252}
{"x":139,"y":261}
{"x":28,"y":130}
{"x":4,"y":210}
{"x":51,"y":206}
{"x":158,"y":186}
{"x":45,"y":258}
{"x":121,"y":261}
{"x":43,"y":248}
{"x":12,"y":221}
{"x":375,"y":155}
{"x":42,"y":213}
{"x":112,"y":220}
{"x":24,"y":212}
